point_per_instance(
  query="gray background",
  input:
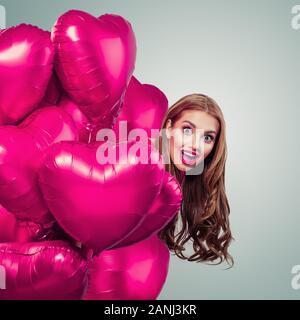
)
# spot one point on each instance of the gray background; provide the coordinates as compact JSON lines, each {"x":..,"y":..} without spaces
{"x":247,"y":56}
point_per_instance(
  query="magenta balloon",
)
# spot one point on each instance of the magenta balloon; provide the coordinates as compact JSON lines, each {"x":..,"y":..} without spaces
{"x":95,"y":61}
{"x":53,"y":92}
{"x":80,"y":120}
{"x":136,"y":272}
{"x":13,"y":230}
{"x":26,"y":62}
{"x":98,"y":204}
{"x":144,"y":107}
{"x":7,"y":225}
{"x":48,"y":270}
{"x":22,"y":231}
{"x":21,"y":155}
{"x":163,"y":209}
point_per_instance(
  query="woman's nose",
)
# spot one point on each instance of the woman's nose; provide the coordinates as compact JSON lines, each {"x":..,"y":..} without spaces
{"x":196,"y":144}
{"x":194,"y":147}
{"x":197,"y":149}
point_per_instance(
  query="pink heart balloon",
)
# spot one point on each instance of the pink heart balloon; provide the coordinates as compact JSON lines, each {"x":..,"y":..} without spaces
{"x":163,"y":209}
{"x":14,"y":230}
{"x":7,"y":225}
{"x":48,"y":270}
{"x":22,"y":231}
{"x":136,"y":272}
{"x":81,"y":121}
{"x":26,"y":62}
{"x":144,"y":108}
{"x":99,"y":204}
{"x":21,"y":155}
{"x":53,"y":92}
{"x":95,"y":61}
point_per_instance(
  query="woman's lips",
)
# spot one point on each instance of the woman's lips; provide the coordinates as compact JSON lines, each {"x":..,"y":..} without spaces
{"x":189,"y":158}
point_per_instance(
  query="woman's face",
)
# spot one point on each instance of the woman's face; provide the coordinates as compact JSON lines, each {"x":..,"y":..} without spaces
{"x":192,"y":138}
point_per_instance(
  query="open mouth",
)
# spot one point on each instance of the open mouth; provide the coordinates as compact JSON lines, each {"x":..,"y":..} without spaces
{"x":189,"y":157}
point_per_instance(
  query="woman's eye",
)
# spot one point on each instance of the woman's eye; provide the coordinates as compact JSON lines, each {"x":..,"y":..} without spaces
{"x":187,"y":131}
{"x":210,"y":138}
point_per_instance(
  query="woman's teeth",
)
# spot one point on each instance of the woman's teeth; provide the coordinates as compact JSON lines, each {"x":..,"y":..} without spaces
{"x":189,"y":154}
{"x":188,"y":158}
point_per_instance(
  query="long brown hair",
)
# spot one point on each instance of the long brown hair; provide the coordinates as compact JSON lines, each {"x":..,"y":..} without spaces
{"x":205,"y":209}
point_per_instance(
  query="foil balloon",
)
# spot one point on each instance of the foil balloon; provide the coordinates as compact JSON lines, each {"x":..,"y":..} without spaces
{"x":22,"y":231}
{"x":14,"y":230}
{"x":94,"y":62}
{"x":48,"y":270}
{"x":144,"y":108}
{"x":98,"y":204}
{"x":136,"y":272}
{"x":162,"y":211}
{"x":53,"y":92}
{"x":22,"y":150}
{"x":81,"y":121}
{"x":26,"y":62}
{"x":7,"y":225}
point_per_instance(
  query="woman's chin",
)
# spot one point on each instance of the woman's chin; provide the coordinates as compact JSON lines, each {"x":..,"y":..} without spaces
{"x":190,"y":168}
{"x":182,"y":167}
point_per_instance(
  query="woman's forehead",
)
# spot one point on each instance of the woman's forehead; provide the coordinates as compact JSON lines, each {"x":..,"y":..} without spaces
{"x":200,"y":119}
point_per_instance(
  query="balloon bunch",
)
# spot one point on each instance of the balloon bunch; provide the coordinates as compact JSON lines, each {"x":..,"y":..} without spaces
{"x":72,"y":227}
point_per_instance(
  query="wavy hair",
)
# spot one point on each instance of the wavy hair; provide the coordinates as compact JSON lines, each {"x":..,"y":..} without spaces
{"x":205,"y":209}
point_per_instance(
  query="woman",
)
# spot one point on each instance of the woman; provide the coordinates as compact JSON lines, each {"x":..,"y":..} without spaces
{"x":193,"y":146}
{"x":198,"y":163}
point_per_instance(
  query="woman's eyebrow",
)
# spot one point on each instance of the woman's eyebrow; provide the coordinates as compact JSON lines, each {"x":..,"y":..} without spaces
{"x":211,"y":131}
{"x":191,"y":123}
{"x":194,"y":126}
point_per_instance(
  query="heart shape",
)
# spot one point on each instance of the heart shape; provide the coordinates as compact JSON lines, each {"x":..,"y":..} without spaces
{"x":26,"y":62}
{"x":144,"y":107}
{"x":99,"y":204}
{"x":80,"y":120}
{"x":22,"y":150}
{"x":53,"y":93}
{"x":163,"y":209}
{"x":7,"y":225}
{"x":95,"y":60}
{"x":22,"y":231}
{"x":44,"y":270}
{"x":14,"y":230}
{"x":136,"y":272}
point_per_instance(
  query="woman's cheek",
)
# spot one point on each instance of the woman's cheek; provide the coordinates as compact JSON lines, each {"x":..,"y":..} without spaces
{"x":176,"y":142}
{"x":178,"y":139}
{"x":207,"y":150}
{"x":186,"y":141}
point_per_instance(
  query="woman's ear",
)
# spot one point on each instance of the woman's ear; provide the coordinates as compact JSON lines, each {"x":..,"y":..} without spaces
{"x":168,"y":128}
